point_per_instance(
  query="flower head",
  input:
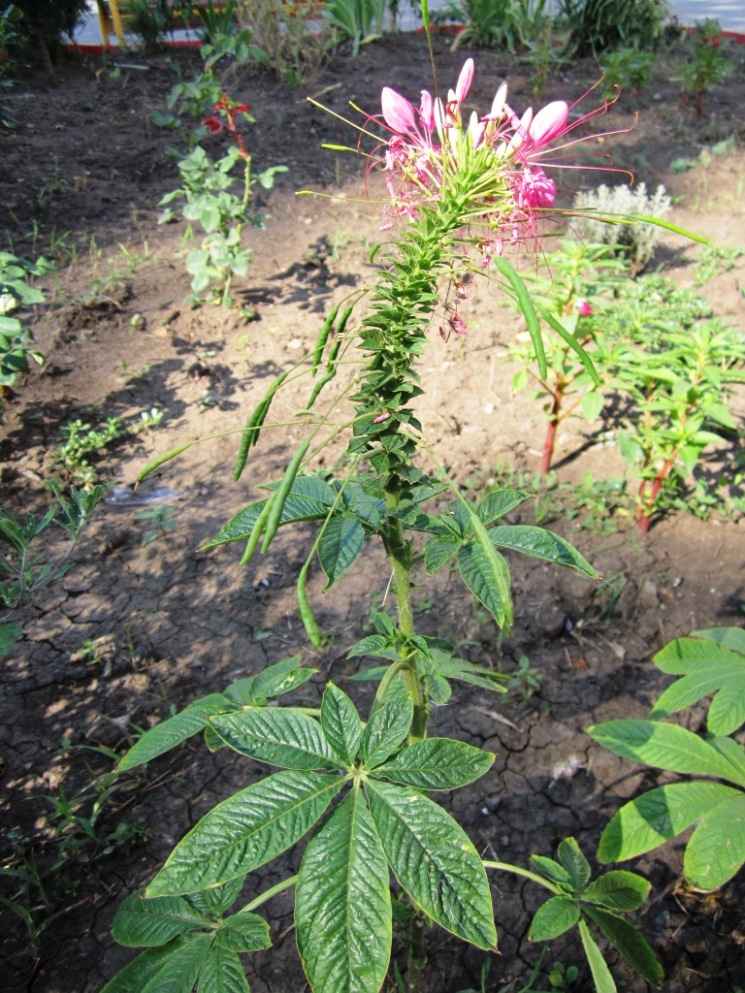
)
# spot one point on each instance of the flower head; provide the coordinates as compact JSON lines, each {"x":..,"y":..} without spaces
{"x":499,"y":157}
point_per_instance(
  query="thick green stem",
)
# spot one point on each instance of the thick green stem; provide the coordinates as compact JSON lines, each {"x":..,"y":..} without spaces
{"x":398,"y":550}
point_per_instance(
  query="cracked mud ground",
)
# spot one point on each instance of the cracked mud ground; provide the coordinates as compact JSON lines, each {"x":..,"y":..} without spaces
{"x":139,"y":628}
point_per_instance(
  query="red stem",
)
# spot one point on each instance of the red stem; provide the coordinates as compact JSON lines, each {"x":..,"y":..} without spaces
{"x":553,"y":424}
{"x":647,"y":502}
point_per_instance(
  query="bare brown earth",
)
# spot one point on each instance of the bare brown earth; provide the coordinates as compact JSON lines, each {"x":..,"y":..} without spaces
{"x":138,"y":629}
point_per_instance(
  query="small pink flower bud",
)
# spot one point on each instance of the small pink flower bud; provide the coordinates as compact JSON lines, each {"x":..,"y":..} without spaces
{"x":464,"y":81}
{"x":583,"y":308}
{"x":497,"y":107}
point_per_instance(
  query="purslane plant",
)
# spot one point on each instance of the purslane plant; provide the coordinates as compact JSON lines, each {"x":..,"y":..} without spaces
{"x":356,"y":787}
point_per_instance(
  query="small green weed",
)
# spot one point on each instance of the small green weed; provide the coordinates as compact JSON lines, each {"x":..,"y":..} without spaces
{"x":527,"y":679}
{"x":162,"y":518}
{"x":82,"y":440}
{"x":713,"y":261}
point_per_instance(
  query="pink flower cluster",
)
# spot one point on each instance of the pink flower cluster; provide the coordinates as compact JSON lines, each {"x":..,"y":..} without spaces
{"x":500,"y":152}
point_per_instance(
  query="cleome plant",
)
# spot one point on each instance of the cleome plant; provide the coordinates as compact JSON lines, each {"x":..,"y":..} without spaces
{"x":354,"y":786}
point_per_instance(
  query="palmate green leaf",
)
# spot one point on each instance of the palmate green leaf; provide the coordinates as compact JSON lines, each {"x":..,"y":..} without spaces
{"x":343,"y":903}
{"x":385,"y":731}
{"x":310,"y":499}
{"x":243,"y":932}
{"x":618,"y":890}
{"x":630,"y":942}
{"x":487,"y":576}
{"x":706,"y":665}
{"x":654,"y":817}
{"x":179,"y":970}
{"x":667,"y":746}
{"x":141,"y":923}
{"x":553,"y":918}
{"x":575,"y":863}
{"x":435,"y":862}
{"x":222,"y":972}
{"x":716,"y":849}
{"x":174,"y":731}
{"x":540,"y":544}
{"x":340,"y":723}
{"x":437,"y":764}
{"x":601,"y":976}
{"x":284,"y":737}
{"x":246,"y":831}
{"x":340,"y":544}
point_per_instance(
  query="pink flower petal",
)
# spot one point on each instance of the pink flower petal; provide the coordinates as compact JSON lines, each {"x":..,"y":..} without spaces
{"x":548,"y":123}
{"x":399,"y":114}
{"x":427,"y":112}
